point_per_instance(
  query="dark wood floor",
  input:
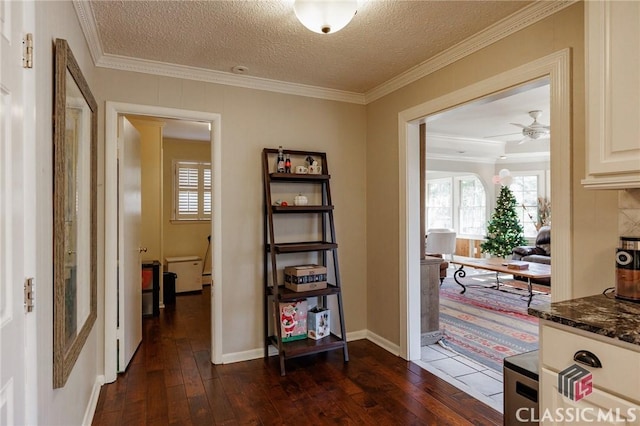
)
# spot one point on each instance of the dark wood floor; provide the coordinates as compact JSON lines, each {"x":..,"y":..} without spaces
{"x":171,"y":381}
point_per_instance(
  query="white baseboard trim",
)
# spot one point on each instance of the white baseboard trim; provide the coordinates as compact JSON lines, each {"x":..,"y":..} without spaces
{"x":247,"y":355}
{"x":356,"y":335}
{"x":383,"y":343}
{"x":93,"y":401}
{"x":351,"y":336}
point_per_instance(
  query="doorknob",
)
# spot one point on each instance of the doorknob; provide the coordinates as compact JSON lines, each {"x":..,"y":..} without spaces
{"x":142,"y":249}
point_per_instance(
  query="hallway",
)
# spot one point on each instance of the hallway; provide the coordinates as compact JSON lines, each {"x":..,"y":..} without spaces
{"x":171,"y":381}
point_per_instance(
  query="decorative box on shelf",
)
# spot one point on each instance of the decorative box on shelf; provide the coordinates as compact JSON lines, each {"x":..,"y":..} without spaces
{"x":293,"y":320}
{"x":318,"y":323}
{"x":305,"y":277}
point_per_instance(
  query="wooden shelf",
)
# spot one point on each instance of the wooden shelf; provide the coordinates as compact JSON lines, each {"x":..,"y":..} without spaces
{"x":302,"y":247}
{"x":153,"y":308}
{"x":286,"y":295}
{"x":301,"y":209}
{"x":295,"y":177}
{"x":323,"y":251}
{"x":308,"y":346}
{"x":315,"y":154}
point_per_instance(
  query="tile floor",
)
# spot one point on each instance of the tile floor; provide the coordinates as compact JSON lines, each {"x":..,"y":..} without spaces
{"x":475,"y":379}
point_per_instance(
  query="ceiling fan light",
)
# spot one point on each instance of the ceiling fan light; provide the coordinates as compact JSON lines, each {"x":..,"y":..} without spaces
{"x":535,"y":133}
{"x":325,"y":16}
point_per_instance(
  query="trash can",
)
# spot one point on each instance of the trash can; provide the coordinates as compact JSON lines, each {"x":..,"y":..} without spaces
{"x":169,"y":281}
{"x":521,"y":389}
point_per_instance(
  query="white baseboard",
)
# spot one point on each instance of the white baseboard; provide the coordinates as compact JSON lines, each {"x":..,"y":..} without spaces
{"x":356,"y":335}
{"x":90,"y":411}
{"x":247,"y":355}
{"x":351,"y":336}
{"x":383,"y":343}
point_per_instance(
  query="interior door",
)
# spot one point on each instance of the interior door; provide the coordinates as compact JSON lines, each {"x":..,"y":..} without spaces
{"x":12,"y":217}
{"x":129,"y":261}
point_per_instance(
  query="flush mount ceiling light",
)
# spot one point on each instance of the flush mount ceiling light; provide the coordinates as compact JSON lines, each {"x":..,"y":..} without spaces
{"x":325,"y":16}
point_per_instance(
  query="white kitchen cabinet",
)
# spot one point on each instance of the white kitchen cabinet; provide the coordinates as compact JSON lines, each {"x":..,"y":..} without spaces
{"x":616,"y":385}
{"x":612,"y":37}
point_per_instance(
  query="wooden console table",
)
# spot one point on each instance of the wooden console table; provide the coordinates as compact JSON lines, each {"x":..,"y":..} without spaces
{"x":534,"y":271}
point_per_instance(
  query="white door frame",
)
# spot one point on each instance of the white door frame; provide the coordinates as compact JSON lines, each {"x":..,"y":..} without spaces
{"x":556,"y":66}
{"x":113,"y":109}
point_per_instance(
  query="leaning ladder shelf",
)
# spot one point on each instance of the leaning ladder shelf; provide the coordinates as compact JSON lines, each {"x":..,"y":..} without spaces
{"x":274,"y":290}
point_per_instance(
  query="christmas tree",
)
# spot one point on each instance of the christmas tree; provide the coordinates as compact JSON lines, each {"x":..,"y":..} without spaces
{"x":504,"y":231}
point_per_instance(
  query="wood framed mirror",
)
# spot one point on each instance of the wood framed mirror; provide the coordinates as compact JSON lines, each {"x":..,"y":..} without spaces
{"x":75,"y":124}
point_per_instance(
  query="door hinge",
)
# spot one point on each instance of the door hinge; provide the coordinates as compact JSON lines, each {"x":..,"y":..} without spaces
{"x":29,"y":295}
{"x":27,"y":51}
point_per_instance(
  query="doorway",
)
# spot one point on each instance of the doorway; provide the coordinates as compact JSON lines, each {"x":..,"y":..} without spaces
{"x":113,"y":111}
{"x":556,"y":68}
{"x":467,"y":148}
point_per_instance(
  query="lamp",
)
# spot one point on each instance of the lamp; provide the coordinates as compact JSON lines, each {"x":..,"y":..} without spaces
{"x":325,"y":16}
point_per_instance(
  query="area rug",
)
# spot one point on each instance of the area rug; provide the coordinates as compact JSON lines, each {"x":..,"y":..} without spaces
{"x":485,"y":324}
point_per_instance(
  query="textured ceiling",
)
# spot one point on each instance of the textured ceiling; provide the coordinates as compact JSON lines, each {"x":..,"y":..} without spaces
{"x":384,"y":39}
{"x":483,"y":129}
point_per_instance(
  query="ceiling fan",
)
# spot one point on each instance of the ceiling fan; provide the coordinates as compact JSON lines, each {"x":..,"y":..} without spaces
{"x":533,"y":131}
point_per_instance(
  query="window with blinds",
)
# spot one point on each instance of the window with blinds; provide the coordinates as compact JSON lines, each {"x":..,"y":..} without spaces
{"x":192,"y":191}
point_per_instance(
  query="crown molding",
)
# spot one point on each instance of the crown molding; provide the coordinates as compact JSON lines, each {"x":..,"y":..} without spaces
{"x":218,"y":77}
{"x":441,"y":139}
{"x":460,"y":158}
{"x":521,"y":19}
{"x":88,"y":25}
{"x":501,"y":29}
{"x":525,"y":157}
{"x":511,"y":158}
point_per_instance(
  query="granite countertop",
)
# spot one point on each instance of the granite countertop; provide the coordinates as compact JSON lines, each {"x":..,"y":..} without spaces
{"x":601,"y":314}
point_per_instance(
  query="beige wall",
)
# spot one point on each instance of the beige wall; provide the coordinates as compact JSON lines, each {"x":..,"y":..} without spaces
{"x":594,"y":213}
{"x":250,"y":121}
{"x":182,"y":239}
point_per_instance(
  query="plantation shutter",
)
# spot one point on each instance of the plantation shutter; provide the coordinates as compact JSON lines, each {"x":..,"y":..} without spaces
{"x":207,"y":192}
{"x":192,"y":191}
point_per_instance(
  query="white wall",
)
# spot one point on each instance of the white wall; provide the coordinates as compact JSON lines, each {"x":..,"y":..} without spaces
{"x":67,"y":405}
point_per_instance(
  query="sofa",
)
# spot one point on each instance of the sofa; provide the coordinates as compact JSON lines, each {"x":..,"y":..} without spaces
{"x":538,"y":253}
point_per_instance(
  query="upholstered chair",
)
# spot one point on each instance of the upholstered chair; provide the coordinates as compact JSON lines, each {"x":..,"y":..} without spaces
{"x":441,"y":242}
